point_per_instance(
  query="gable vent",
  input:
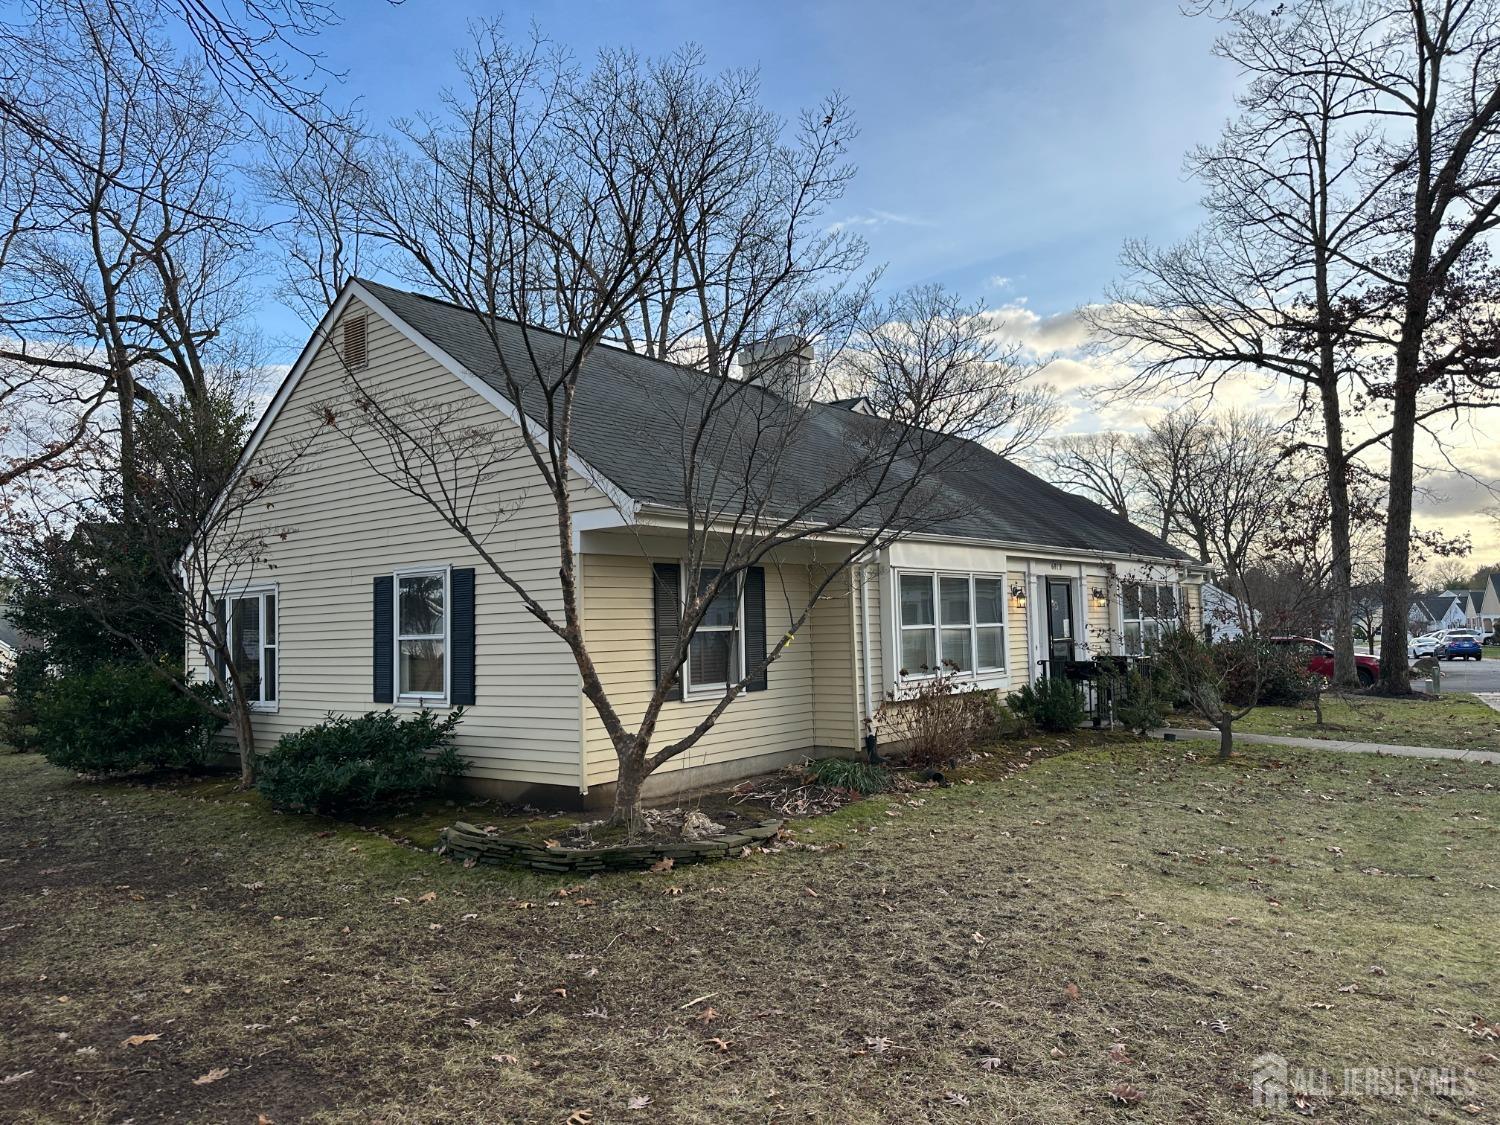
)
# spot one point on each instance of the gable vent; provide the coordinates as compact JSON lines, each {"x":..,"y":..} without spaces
{"x":355,"y":353}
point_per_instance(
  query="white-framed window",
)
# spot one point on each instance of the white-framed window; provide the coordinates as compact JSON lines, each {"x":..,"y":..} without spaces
{"x":716,"y":654}
{"x":421,"y":616}
{"x":251,"y":631}
{"x":1149,"y":610}
{"x":953,"y":619}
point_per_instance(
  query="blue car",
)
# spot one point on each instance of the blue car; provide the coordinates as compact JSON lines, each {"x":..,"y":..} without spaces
{"x":1465,"y":648}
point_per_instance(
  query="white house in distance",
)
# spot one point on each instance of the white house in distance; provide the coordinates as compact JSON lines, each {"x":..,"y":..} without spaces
{"x":1439,"y":611}
{"x":371,"y":601}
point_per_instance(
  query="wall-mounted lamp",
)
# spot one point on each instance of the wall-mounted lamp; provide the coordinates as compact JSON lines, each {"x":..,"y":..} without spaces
{"x":1097,"y":597}
{"x":1018,"y":597}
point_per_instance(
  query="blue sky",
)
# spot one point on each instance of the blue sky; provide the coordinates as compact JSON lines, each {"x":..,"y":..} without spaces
{"x":1015,"y":141}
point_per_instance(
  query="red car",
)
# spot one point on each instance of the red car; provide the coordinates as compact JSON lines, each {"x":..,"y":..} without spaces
{"x":1317,"y":657}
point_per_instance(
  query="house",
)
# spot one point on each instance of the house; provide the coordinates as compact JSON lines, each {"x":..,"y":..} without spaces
{"x":1019,"y":578}
{"x":10,"y":645}
{"x":1432,"y":612}
{"x":1225,"y":617}
{"x":1484,"y":606}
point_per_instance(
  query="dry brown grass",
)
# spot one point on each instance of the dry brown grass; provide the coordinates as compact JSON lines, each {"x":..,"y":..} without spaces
{"x":863,"y":982}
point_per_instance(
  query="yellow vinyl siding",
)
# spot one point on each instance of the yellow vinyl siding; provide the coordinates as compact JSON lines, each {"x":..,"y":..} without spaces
{"x":345,"y":526}
{"x":1018,"y":633}
{"x":836,"y":718}
{"x":789,"y":715}
{"x":1096,"y":633}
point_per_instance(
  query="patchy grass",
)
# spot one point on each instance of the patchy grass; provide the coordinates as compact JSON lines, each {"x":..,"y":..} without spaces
{"x":1492,"y":652}
{"x":916,"y":966}
{"x":1456,"y":720}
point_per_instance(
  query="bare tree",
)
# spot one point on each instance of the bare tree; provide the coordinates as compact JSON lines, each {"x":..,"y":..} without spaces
{"x":652,"y":204}
{"x":1097,"y":465}
{"x":121,"y":276}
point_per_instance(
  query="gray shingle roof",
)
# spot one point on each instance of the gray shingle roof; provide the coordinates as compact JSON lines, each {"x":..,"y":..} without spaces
{"x":632,"y":415}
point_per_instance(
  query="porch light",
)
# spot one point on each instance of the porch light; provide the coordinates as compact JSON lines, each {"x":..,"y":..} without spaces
{"x":1018,"y":597}
{"x":1097,"y":597}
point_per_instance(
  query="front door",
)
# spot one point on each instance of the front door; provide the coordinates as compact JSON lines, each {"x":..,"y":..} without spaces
{"x":1059,"y":622}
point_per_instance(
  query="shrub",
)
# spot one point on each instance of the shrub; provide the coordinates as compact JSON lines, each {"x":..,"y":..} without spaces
{"x":119,"y":717}
{"x":21,"y":686}
{"x":1053,"y":704}
{"x":848,"y":773}
{"x":1284,"y":682}
{"x":360,"y":763}
{"x":937,"y":722}
{"x":1142,"y":699}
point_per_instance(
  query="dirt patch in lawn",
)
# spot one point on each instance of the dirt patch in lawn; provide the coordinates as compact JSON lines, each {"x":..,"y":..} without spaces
{"x":1014,"y":947}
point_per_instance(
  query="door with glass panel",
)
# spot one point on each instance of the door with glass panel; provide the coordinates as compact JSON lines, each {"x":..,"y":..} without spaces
{"x":1059,"y":622}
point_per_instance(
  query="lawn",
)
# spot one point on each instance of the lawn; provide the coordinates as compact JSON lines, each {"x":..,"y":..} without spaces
{"x":1123,"y":917}
{"x":1455,"y":720}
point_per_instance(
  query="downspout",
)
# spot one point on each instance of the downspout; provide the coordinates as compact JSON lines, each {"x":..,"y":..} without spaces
{"x":864,"y":656}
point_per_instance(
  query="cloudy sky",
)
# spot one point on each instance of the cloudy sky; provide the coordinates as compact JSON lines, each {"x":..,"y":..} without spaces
{"x":1007,"y":148}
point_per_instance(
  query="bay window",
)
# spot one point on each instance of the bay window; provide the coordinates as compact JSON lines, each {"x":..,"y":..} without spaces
{"x":949,"y":620}
{"x":1150,"y":609}
{"x":249,"y":619}
{"x":422,"y":635}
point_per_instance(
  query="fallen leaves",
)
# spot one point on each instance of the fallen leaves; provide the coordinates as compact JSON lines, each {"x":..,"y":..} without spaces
{"x":707,"y":1016}
{"x":18,"y":1076}
{"x":139,"y":1040}
{"x":1072,"y":992}
{"x":662,"y":865}
{"x":581,"y":1117}
{"x":638,"y":1101}
{"x":212,"y":1076}
{"x":721,"y":1044}
{"x":1124,"y":1093}
{"x":992,"y":1062}
{"x":505,"y":1060}
{"x":430,"y":896}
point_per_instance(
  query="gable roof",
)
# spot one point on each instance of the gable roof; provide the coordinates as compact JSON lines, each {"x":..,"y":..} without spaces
{"x":632,"y":412}
{"x":1436,"y":606}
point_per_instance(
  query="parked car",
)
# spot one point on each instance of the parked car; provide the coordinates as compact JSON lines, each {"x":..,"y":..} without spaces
{"x":1461,"y":644}
{"x":1425,"y":645}
{"x":1317,"y":658}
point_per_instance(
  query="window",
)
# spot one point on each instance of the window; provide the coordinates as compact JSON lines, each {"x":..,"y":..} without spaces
{"x":250,"y":632}
{"x":1149,"y":611}
{"x":422,"y":635}
{"x":714,"y":652}
{"x":951,"y":619}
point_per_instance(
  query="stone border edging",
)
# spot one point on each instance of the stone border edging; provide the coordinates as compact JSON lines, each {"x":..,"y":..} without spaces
{"x":471,"y":843}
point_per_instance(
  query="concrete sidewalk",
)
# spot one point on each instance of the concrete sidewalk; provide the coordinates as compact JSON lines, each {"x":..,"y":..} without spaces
{"x":1337,"y":745}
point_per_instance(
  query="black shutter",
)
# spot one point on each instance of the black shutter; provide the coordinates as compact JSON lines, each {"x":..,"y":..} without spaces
{"x":668,"y":617}
{"x":755,"y":626}
{"x":461,"y":622}
{"x":384,"y":639}
{"x":221,"y":611}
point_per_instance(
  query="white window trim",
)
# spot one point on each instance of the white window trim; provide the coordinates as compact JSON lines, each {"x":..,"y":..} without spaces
{"x":421,"y":699}
{"x":1163,"y":624}
{"x":977,"y":674}
{"x":711,"y":690}
{"x":259,"y":592}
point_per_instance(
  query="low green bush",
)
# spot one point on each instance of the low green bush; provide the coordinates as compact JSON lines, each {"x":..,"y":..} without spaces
{"x":348,"y":763}
{"x":848,"y":773}
{"x":1053,"y":704}
{"x":1142,"y":700}
{"x":1241,"y":662}
{"x":22,"y":684}
{"x":120,"y":717}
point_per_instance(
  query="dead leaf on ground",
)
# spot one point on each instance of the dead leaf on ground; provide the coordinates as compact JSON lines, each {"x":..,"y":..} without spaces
{"x":213,"y":1075}
{"x":138,"y":1040}
{"x":661,"y":865}
{"x":638,"y":1101}
{"x":505,"y":1060}
{"x":563,"y":992}
{"x":430,"y":896}
{"x":1125,"y":1094}
{"x":991,"y":1062}
{"x":12,"y":1079}
{"x":1073,"y":992}
{"x":1119,"y":1053}
{"x":721,"y":1044}
{"x":953,"y":1097}
{"x":708,"y":1015}
{"x":581,"y":1117}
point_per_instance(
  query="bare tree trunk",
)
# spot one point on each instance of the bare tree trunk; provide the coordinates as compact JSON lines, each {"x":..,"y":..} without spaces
{"x":1395,"y":667}
{"x":244,"y":740}
{"x":627,"y":808}
{"x":1226,"y":739}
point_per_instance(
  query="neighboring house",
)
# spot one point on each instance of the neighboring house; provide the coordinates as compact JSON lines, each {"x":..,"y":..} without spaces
{"x":1438,"y":611}
{"x":1225,"y":617}
{"x":1026,"y":576}
{"x":1485,"y":605}
{"x":10,"y":644}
